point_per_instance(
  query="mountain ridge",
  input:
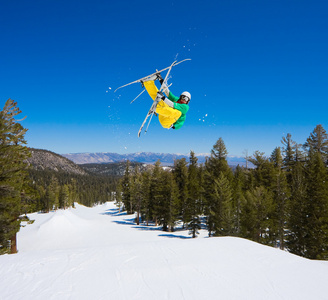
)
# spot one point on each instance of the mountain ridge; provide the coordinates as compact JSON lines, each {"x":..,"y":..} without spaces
{"x":142,"y":157}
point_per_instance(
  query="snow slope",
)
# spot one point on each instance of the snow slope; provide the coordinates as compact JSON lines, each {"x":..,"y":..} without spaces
{"x":97,"y":253}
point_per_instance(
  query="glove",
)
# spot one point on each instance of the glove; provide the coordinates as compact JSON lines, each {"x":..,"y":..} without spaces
{"x":166,"y":89}
{"x":161,"y":95}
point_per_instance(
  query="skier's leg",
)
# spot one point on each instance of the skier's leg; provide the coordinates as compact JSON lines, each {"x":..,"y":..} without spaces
{"x":167,"y":115}
{"x":151,"y":88}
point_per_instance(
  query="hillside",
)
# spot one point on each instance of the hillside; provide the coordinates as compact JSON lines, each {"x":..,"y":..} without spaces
{"x":99,"y":253}
{"x":42,"y":160}
{"x":57,"y":174}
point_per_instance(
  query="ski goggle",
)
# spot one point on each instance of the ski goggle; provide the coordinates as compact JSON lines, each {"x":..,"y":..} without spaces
{"x":185,"y":98}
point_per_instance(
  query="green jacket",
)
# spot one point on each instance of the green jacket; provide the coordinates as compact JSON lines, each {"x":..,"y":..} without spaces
{"x":181,"y":107}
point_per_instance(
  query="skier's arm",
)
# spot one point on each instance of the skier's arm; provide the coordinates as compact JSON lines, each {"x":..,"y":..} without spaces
{"x":172,"y":97}
{"x":181,"y":107}
{"x":169,"y":102}
{"x":166,"y":89}
{"x":165,"y":100}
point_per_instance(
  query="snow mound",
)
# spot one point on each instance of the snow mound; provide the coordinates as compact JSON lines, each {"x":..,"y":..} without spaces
{"x":62,"y":229}
{"x":62,"y":222}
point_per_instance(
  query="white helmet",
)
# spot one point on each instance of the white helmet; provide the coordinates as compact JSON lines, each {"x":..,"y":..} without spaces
{"x":186,"y":94}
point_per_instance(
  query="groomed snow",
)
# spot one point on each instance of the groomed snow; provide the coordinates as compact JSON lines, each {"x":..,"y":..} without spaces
{"x":96,"y":253}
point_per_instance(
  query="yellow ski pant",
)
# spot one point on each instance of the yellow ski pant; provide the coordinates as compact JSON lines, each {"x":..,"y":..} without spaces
{"x":166,"y":114}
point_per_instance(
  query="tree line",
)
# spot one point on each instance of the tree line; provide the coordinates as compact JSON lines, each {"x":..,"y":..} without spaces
{"x":282,"y":201}
{"x":52,"y":190}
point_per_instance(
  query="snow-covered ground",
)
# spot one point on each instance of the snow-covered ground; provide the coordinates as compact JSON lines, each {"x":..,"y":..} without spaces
{"x":96,"y":253}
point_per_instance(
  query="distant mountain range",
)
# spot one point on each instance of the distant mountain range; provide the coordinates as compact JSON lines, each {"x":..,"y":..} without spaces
{"x":107,"y":164}
{"x":44,"y":160}
{"x":142,"y":157}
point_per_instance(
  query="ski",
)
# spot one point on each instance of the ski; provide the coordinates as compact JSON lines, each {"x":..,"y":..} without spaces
{"x":137,"y":96}
{"x":150,"y":76}
{"x":154,"y":105}
{"x":150,"y":113}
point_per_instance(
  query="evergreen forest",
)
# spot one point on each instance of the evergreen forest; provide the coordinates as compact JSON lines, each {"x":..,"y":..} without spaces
{"x":282,"y":201}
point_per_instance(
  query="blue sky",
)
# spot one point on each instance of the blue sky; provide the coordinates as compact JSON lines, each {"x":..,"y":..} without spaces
{"x":258,"y":72}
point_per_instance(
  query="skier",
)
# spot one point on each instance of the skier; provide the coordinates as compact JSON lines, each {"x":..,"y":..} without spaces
{"x":172,"y":110}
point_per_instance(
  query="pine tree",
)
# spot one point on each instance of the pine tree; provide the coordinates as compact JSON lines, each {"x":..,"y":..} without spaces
{"x":318,"y":142}
{"x":54,"y":190}
{"x":289,"y":154}
{"x":12,"y":174}
{"x":118,"y":197}
{"x":146,"y":208}
{"x":73,"y":195}
{"x":210,"y":187}
{"x":256,"y":212}
{"x":316,"y":208}
{"x":180,"y":173}
{"x":50,"y":200}
{"x":136,"y":192}
{"x":173,"y":202}
{"x":299,"y":153}
{"x":217,"y":162}
{"x":202,"y":203}
{"x":167,"y":200}
{"x":238,"y":197}
{"x":280,"y":198}
{"x":223,"y":209}
{"x":193,"y":201}
{"x":264,"y":169}
{"x":29,"y":198}
{"x":156,"y":192}
{"x":297,"y":219}
{"x":218,"y":195}
{"x":126,"y":189}
{"x":219,"y":149}
{"x":64,"y":196}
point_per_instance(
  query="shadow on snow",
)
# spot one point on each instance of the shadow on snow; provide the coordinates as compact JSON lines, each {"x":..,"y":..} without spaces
{"x":131,"y":221}
{"x":114,"y":212}
{"x":171,"y":235}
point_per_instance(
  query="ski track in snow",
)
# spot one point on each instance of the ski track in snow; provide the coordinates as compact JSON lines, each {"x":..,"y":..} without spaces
{"x":98,"y":253}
